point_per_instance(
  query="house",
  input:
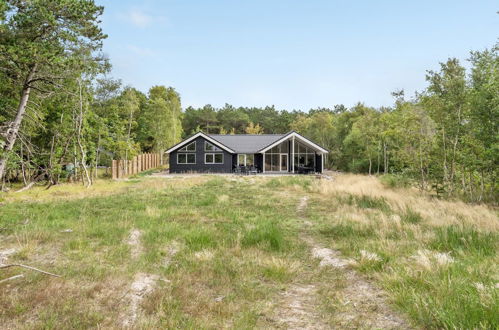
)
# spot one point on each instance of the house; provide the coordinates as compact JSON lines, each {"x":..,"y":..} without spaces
{"x":265,"y":153}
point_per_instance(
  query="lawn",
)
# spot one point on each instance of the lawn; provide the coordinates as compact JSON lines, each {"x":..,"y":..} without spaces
{"x":235,"y":252}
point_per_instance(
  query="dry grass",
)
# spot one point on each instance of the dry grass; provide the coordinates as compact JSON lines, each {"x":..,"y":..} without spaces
{"x":427,"y":252}
{"x":225,"y":248}
{"x":434,"y":211}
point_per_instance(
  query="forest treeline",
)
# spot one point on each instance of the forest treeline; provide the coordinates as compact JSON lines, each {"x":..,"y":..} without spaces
{"x":58,"y":107}
{"x":444,"y":139}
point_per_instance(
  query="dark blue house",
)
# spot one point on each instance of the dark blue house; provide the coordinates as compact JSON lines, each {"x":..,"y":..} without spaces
{"x":265,"y":153}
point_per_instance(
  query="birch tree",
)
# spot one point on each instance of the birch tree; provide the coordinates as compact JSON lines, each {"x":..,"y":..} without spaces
{"x":42,"y":42}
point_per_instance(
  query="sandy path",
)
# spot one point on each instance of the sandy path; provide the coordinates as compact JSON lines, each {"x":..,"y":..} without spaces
{"x":361,"y":304}
{"x":142,"y":285}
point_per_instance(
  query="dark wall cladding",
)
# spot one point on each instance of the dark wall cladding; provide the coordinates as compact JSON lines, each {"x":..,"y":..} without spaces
{"x":200,"y":166}
{"x":318,"y":163}
{"x":230,"y":160}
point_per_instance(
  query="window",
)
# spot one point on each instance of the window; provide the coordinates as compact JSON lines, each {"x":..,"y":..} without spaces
{"x":213,"y":158}
{"x":304,"y":156}
{"x":246,"y":159}
{"x":190,"y":147}
{"x":276,"y":158}
{"x":186,"y":158}
{"x":210,"y":147}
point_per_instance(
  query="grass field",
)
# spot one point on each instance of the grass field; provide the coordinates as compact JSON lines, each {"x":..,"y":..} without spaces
{"x":235,"y":252}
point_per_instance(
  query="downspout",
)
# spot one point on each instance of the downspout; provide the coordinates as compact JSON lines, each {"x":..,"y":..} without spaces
{"x":263,"y":164}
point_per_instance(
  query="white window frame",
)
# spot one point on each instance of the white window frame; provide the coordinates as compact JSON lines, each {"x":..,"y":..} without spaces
{"x":213,"y":153}
{"x":214,"y":146}
{"x":186,"y":158}
{"x":184,"y":148}
{"x":245,"y":159}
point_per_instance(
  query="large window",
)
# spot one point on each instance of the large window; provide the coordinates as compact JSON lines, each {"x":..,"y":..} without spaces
{"x":190,"y":147}
{"x":185,"y":158}
{"x":246,"y":159}
{"x":276,"y":159}
{"x":210,"y":147}
{"x":304,"y":156}
{"x":213,"y":158}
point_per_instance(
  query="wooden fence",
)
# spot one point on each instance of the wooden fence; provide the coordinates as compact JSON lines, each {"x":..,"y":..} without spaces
{"x":123,"y":168}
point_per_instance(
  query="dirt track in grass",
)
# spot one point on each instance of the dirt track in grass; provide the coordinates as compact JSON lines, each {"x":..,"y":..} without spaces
{"x":360,"y":304}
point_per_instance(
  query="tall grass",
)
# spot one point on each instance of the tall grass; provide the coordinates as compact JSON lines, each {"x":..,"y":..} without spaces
{"x":366,"y":202}
{"x":467,"y":240}
{"x":266,"y":234}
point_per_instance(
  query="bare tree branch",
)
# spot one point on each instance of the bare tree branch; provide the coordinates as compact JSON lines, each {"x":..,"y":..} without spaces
{"x":29,"y":267}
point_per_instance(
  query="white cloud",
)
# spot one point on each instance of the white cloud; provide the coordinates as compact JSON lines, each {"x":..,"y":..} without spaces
{"x":142,"y":51}
{"x":140,"y":19}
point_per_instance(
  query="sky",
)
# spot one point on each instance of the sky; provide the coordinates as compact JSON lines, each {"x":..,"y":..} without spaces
{"x":291,"y":54}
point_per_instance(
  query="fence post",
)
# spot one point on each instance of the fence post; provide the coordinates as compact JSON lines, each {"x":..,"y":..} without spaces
{"x":113,"y":170}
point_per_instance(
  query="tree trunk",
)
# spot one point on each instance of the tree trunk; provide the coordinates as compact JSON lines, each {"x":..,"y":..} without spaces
{"x":79,"y":124}
{"x":385,"y":158}
{"x":97,"y":156}
{"x":379,"y":158}
{"x":421,"y":167}
{"x":12,"y":130}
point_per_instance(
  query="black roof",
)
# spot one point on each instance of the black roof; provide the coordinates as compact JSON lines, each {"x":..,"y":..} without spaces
{"x":247,"y":143}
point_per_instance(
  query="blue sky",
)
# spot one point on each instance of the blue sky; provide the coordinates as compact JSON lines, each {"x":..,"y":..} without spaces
{"x":291,"y":54}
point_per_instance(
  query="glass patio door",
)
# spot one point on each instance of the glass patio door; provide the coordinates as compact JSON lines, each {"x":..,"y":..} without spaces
{"x":283,"y":163}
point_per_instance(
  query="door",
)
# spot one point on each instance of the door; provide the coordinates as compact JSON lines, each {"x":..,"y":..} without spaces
{"x":283,"y":163}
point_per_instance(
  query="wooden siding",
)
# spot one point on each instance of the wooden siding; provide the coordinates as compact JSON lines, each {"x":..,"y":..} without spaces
{"x":200,"y":166}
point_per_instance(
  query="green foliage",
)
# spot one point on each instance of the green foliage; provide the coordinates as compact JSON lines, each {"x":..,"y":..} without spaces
{"x":445,"y":139}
